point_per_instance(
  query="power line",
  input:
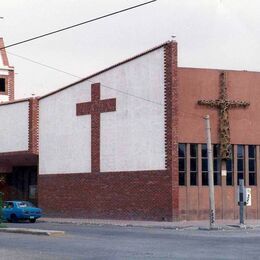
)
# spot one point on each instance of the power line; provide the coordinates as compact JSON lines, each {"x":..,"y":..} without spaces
{"x":79,"y":24}
{"x":44,"y":65}
{"x":75,"y":76}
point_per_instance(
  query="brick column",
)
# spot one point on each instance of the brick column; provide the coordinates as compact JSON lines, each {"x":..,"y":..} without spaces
{"x":33,"y":125}
{"x":171,"y":121}
{"x":11,"y":85}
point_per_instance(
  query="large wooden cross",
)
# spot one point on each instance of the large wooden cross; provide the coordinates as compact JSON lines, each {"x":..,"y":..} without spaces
{"x":223,"y":105}
{"x":95,"y":108}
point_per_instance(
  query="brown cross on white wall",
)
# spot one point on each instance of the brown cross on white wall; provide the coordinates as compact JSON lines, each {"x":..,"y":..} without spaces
{"x":95,"y":108}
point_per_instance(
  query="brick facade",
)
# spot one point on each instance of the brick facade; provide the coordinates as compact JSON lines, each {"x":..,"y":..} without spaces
{"x":121,"y":195}
{"x":155,"y":194}
{"x":117,"y":195}
{"x":172,"y":122}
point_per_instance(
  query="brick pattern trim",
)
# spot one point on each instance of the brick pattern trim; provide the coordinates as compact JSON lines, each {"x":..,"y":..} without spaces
{"x":3,"y":53}
{"x":95,"y":108}
{"x":11,"y":85}
{"x":33,"y":125}
{"x":171,"y":121}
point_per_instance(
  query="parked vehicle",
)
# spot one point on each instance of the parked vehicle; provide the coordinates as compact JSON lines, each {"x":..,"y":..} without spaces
{"x":14,"y":211}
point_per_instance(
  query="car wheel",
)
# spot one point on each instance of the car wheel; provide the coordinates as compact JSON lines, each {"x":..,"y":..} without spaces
{"x":14,"y":219}
{"x":32,"y":220}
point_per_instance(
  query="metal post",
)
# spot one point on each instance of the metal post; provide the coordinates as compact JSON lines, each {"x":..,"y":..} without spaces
{"x":1,"y":207}
{"x":241,"y":202}
{"x":210,"y":175}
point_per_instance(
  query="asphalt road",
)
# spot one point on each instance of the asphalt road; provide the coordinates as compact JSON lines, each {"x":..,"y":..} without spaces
{"x":111,"y":242}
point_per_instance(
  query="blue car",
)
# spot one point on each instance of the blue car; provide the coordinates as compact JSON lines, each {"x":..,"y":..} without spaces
{"x":20,"y":210}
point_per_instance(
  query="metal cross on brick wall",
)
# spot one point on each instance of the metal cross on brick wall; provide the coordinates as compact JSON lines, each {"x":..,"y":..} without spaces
{"x":95,"y":108}
{"x":223,"y":105}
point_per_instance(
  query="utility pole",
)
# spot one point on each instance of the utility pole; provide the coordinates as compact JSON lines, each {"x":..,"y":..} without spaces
{"x":210,"y":174}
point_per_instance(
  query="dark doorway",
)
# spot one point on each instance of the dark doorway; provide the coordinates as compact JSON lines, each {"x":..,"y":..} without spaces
{"x":22,"y":184}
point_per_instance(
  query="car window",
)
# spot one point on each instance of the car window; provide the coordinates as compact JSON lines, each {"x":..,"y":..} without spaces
{"x":9,"y":205}
{"x":24,"y":204}
{"x":21,"y":205}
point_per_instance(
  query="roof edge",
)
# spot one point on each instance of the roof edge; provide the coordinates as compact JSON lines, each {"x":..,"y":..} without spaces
{"x":218,"y":69}
{"x":14,"y":101}
{"x":106,"y":69}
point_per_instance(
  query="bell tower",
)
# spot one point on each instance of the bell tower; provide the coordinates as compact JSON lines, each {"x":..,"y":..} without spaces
{"x":6,"y":76}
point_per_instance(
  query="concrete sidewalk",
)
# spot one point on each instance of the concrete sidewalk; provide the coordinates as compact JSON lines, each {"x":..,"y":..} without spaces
{"x":201,"y":224}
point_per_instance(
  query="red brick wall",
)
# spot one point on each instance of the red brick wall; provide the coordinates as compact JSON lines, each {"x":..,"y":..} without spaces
{"x":117,"y":195}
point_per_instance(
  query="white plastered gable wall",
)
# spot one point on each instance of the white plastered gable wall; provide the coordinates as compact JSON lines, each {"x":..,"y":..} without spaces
{"x":132,"y":137}
{"x":14,"y":128}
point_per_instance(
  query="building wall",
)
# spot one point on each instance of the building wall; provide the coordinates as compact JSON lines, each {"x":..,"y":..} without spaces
{"x":198,"y":84}
{"x":135,"y":181}
{"x":112,"y":195}
{"x":132,"y":137}
{"x":14,"y":127}
{"x":6,"y":72}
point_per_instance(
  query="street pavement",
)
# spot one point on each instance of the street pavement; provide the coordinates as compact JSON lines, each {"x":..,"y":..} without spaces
{"x":124,"y":242}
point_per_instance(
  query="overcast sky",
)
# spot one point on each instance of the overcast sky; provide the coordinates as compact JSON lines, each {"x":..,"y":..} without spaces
{"x":210,"y":34}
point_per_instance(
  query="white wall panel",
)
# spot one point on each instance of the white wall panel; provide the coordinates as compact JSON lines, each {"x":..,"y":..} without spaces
{"x":4,"y":98}
{"x":14,"y":133}
{"x":132,"y":137}
{"x":64,"y":143}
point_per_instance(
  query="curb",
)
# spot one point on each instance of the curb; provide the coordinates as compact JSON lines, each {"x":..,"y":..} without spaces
{"x":130,"y":225}
{"x":52,"y":233}
{"x":90,"y":223}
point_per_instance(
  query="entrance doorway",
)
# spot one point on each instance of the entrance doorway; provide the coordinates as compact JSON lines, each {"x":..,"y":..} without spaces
{"x":22,"y":184}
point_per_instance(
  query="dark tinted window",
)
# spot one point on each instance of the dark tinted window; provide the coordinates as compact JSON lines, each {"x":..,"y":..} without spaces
{"x":252,"y":164}
{"x":182,"y":164}
{"x":2,"y":85}
{"x":182,"y":150}
{"x":193,"y":164}
{"x":240,"y":162}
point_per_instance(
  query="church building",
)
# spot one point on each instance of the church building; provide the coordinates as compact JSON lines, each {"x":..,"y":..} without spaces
{"x":128,"y":142}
